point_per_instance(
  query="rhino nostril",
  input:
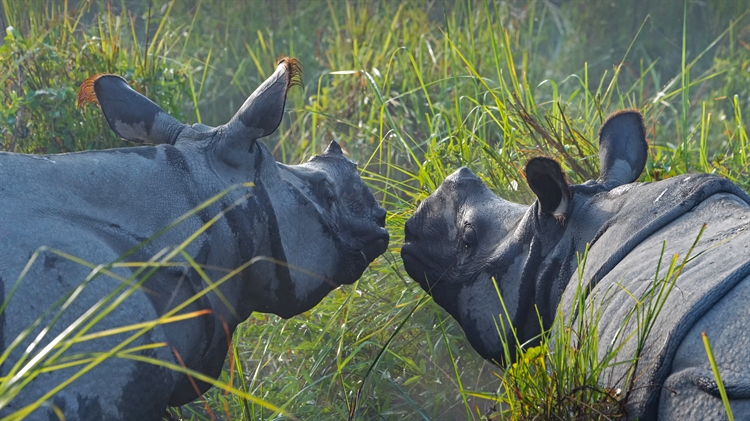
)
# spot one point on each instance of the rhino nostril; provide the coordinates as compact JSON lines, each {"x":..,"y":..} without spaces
{"x":380,"y":217}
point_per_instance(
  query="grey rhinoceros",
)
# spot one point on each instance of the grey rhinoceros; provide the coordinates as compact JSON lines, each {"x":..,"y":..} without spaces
{"x":463,"y":236}
{"x":277,"y":242}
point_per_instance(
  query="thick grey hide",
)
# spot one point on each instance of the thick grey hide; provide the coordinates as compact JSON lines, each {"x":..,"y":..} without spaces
{"x":625,"y":257}
{"x":296,"y":233}
{"x":463,"y":235}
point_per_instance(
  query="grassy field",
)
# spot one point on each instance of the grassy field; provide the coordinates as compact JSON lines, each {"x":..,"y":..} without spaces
{"x":412,"y":91}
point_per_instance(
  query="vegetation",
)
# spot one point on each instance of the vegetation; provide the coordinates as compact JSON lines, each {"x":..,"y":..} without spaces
{"x":412,"y":91}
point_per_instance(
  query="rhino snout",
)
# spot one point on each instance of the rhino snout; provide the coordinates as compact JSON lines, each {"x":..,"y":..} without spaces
{"x":379,"y":217}
{"x":414,"y":228}
{"x":413,"y":265}
{"x":376,"y":246}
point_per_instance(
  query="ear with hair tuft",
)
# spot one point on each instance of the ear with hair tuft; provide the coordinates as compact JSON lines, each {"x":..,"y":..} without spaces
{"x":333,"y":149}
{"x":294,"y":74}
{"x":261,"y":113}
{"x":129,"y":114}
{"x":547,"y":181}
{"x":623,"y":149}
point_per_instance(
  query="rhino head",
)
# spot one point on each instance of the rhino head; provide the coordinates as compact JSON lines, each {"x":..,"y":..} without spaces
{"x":447,"y":251}
{"x":463,"y":236}
{"x":321,"y":225}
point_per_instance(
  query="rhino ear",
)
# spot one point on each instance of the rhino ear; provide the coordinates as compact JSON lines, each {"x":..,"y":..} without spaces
{"x":547,"y":181}
{"x":129,"y":114}
{"x":261,"y":113}
{"x":622,"y":148}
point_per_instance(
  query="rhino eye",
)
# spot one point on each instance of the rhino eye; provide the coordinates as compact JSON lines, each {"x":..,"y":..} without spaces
{"x":325,"y":193}
{"x":469,"y":238}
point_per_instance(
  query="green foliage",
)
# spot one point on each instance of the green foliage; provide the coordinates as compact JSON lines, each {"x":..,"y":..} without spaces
{"x":42,"y":70}
{"x":412,"y":91}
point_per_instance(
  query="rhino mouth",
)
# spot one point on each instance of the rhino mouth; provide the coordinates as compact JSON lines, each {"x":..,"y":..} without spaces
{"x":359,"y":256}
{"x":413,"y":266}
{"x":376,"y":246}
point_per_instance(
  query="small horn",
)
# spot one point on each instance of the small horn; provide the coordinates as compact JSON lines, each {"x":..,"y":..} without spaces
{"x":333,"y":149}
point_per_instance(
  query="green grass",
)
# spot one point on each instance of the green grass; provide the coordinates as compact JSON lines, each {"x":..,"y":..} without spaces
{"x":412,"y":91}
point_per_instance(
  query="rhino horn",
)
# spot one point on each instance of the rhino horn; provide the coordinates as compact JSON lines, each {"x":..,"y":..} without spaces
{"x":547,"y":181}
{"x":333,"y":149}
{"x":129,"y":114}
{"x":261,"y":113}
{"x":623,"y":149}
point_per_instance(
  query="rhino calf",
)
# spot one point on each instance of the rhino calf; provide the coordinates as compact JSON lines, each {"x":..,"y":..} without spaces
{"x":463,"y":236}
{"x":279,"y":241}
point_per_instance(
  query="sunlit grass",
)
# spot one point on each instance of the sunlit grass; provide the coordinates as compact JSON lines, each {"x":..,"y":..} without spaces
{"x":411,"y":93}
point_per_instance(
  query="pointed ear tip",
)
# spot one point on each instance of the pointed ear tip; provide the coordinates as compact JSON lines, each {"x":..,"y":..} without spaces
{"x":548,"y":182}
{"x":542,"y":167}
{"x":87,"y":93}
{"x":294,"y":72}
{"x":630,"y":115}
{"x":627,"y":111}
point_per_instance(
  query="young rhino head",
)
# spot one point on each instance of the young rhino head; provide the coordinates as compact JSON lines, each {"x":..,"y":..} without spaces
{"x":332,"y":238}
{"x":315,"y":226}
{"x":463,"y":236}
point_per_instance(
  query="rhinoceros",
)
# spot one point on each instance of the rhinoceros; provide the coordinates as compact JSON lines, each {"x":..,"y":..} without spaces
{"x":463,"y":240}
{"x":277,"y":240}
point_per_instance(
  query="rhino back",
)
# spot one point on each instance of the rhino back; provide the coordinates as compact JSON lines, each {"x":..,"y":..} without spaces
{"x":92,"y":205}
{"x":137,"y":190}
{"x":720,"y":262}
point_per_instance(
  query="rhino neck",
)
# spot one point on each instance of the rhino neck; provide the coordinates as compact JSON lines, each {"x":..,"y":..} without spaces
{"x":554,"y":251}
{"x":236,"y":252}
{"x":264,"y":234}
{"x":245,"y":241}
{"x":528,"y":268}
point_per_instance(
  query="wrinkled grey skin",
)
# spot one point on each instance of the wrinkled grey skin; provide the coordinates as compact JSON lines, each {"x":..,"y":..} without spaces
{"x":463,"y":235}
{"x":297,"y":233}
